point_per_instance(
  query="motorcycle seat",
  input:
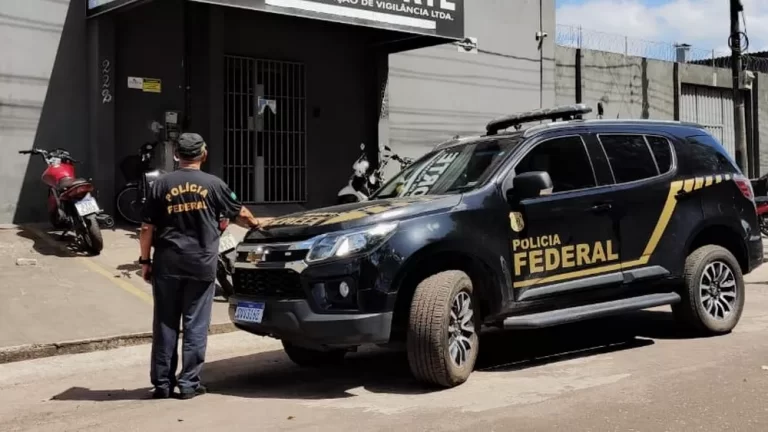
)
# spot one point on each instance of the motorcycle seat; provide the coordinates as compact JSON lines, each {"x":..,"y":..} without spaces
{"x":69,"y":182}
{"x":761,"y":199}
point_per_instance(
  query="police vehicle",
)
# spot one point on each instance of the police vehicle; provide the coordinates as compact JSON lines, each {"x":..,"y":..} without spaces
{"x":566,"y":220}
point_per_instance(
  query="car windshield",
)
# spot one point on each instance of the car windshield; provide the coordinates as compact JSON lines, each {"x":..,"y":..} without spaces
{"x":451,"y":170}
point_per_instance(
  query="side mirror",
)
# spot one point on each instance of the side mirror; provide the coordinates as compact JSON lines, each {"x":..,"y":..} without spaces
{"x":530,"y":185}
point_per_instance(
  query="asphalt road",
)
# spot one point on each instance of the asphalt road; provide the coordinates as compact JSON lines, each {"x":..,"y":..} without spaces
{"x":635,"y":373}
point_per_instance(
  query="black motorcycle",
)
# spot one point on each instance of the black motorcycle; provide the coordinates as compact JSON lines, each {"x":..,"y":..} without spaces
{"x":139,"y":175}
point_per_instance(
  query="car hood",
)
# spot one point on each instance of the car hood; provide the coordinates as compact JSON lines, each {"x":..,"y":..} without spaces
{"x":299,"y":226}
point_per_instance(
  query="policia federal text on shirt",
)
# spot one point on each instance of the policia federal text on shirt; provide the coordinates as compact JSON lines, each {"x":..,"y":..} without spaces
{"x":181,"y":221}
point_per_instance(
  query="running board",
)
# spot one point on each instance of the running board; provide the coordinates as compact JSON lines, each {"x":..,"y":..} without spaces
{"x":591,"y":311}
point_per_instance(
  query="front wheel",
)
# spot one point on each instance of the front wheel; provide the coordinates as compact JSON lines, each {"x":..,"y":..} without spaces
{"x":713,"y":295}
{"x":306,"y":357}
{"x":128,"y":203}
{"x":94,"y":241}
{"x":442,"y":341}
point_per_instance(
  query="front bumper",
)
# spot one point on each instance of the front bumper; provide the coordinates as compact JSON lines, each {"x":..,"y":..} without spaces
{"x":294,"y":321}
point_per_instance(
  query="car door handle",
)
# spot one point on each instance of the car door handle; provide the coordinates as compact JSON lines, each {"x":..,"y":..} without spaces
{"x":602,"y":207}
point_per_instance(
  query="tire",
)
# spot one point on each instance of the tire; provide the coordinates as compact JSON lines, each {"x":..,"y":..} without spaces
{"x":709,"y":317}
{"x":94,"y":240}
{"x":430,"y":340}
{"x":306,"y":357}
{"x":763,"y":225}
{"x":126,"y":203}
{"x":347,"y":199}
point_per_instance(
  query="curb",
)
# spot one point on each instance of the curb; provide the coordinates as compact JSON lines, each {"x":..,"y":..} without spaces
{"x":36,"y":351}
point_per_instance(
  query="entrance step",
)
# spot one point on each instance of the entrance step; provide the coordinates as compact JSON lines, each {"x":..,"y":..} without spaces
{"x":591,"y":311}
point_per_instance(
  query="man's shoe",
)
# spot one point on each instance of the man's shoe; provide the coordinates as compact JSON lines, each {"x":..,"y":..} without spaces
{"x":185,"y":394}
{"x":161,"y":393}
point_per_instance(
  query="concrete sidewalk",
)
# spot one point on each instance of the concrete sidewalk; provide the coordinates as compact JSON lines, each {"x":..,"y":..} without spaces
{"x":50,"y":293}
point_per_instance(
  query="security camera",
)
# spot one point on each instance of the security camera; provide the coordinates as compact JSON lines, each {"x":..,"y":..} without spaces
{"x":540,"y":35}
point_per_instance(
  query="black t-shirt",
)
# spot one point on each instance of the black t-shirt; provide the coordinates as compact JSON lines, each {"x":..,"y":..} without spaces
{"x":185,"y":207}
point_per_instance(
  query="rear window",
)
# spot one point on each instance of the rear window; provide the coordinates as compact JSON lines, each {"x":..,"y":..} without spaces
{"x":705,"y":157}
{"x":662,"y":152}
{"x":629,"y":157}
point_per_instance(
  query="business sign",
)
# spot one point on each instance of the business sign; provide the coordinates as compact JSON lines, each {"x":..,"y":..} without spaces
{"x":428,"y":17}
{"x":97,"y":7}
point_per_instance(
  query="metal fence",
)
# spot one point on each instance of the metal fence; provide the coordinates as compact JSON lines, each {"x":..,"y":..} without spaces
{"x":578,"y":37}
{"x":265,"y":130}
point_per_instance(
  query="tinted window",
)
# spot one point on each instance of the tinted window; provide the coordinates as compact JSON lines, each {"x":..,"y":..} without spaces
{"x":704,"y":157}
{"x":629,"y":157}
{"x":451,"y":170}
{"x":566,"y":161}
{"x":662,"y":152}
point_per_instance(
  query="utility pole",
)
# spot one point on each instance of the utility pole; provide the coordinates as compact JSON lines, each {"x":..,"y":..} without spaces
{"x":739,"y":121}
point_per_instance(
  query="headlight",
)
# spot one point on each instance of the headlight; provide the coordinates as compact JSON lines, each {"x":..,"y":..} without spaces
{"x":350,"y":242}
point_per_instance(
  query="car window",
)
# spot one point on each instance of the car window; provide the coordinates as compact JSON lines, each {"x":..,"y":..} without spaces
{"x":629,"y":157}
{"x":704,"y":158}
{"x":566,"y":161}
{"x":662,"y":152}
{"x":452,"y":170}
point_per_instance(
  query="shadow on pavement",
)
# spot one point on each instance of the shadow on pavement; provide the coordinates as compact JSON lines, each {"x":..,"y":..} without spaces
{"x":272,"y":375}
{"x":84,"y":394}
{"x":67,"y":246}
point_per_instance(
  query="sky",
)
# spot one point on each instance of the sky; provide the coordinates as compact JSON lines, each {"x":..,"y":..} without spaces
{"x":704,"y":24}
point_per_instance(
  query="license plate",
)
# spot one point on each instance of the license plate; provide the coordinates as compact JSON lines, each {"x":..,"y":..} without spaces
{"x":227,"y":242}
{"x":86,"y":206}
{"x":249,"y":312}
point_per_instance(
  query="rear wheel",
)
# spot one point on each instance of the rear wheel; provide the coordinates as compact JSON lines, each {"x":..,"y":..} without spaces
{"x":764,"y":225}
{"x":306,"y":357}
{"x":347,"y":199}
{"x":713,"y":295}
{"x":94,"y":241}
{"x":442,"y":341}
{"x":129,"y":204}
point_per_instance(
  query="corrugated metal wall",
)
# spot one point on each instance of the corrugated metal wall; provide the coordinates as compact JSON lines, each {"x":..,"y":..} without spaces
{"x":712,"y":108}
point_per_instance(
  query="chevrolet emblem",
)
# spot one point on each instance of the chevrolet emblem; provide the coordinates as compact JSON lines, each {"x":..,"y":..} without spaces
{"x":254,"y":257}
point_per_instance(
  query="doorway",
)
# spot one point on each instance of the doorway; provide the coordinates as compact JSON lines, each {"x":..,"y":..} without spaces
{"x":265,"y":130}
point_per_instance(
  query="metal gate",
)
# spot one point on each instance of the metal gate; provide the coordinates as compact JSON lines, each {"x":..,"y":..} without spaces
{"x":265,"y":130}
{"x":712,"y":108}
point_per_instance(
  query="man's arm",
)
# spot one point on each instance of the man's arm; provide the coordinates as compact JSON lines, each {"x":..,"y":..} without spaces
{"x":231,"y":208}
{"x":246,"y":219}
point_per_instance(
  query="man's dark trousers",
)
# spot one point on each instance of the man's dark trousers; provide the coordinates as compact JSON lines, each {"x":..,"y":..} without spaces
{"x":177,"y":299}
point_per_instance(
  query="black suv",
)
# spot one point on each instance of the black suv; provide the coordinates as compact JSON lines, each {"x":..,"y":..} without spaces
{"x":564,"y":221}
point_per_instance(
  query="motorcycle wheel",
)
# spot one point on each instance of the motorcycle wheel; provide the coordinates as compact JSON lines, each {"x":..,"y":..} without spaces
{"x":128,"y":203}
{"x":764,"y":226}
{"x":94,"y":241}
{"x":222,"y":276}
{"x":347,"y":199}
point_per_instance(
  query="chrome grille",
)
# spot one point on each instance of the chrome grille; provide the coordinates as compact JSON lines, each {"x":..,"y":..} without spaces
{"x":278,"y":283}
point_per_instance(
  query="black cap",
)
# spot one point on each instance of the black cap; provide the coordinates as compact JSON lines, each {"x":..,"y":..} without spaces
{"x":191,"y":146}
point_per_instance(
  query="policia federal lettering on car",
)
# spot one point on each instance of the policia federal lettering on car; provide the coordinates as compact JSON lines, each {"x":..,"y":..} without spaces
{"x":543,"y":254}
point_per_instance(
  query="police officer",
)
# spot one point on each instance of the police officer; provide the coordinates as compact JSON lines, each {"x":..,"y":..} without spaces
{"x":181,"y":222}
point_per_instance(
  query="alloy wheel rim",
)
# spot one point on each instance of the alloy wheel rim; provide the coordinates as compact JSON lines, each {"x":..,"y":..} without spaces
{"x":461,"y":329}
{"x":717,"y":289}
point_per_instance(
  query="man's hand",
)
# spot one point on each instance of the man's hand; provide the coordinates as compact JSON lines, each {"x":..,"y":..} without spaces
{"x":146,"y":272}
{"x":246,"y":219}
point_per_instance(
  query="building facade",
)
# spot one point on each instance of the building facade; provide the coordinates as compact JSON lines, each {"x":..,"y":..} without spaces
{"x":284,"y":91}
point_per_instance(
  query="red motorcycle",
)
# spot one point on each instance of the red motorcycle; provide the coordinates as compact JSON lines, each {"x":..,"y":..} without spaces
{"x":71,"y":205}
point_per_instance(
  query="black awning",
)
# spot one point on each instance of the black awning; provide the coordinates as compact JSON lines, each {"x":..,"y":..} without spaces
{"x":440,"y":18}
